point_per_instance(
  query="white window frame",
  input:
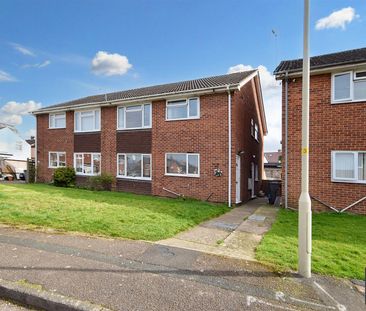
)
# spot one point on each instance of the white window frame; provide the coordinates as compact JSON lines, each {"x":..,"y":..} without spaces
{"x":355,"y":167}
{"x":143,"y":117}
{"x":256,"y":172}
{"x":252,"y":127}
{"x":256,"y":132}
{"x":78,"y":112}
{"x":58,"y":159}
{"x":170,"y":103}
{"x":92,"y":163}
{"x":183,"y":175}
{"x":142,"y":166}
{"x":352,"y":81}
{"x":54,"y":120}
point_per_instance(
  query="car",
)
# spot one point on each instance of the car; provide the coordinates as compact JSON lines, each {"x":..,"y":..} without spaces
{"x":21,"y":176}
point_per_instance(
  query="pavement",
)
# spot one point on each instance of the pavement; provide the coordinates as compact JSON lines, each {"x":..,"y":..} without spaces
{"x":135,"y":275}
{"x":235,"y":234}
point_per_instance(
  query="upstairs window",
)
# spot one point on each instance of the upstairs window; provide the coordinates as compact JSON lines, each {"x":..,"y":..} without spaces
{"x":134,"y":117}
{"x":349,"y":166}
{"x":57,"y":120}
{"x":183,"y":109}
{"x":252,"y":127}
{"x":256,"y":133}
{"x":87,"y":120}
{"x":349,"y":86}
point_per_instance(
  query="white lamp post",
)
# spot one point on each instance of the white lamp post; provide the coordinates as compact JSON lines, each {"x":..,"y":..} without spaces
{"x":304,"y":200}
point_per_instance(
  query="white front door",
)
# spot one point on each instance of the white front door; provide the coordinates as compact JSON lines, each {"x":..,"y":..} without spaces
{"x":252,"y":179}
{"x":237,"y":180}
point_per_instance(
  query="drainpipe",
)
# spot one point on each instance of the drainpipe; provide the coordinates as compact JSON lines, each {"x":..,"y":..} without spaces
{"x":35,"y":154}
{"x":229,"y":145}
{"x":286,"y":140}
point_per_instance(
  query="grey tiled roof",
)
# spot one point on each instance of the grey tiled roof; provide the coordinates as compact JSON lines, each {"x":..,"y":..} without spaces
{"x":323,"y":61}
{"x":184,"y":86}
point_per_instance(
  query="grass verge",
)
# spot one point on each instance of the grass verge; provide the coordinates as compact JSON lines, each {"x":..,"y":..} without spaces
{"x":114,"y":214}
{"x":339,"y":244}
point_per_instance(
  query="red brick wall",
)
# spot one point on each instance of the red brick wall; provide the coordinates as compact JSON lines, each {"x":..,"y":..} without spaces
{"x":108,"y":140}
{"x":245,"y":109}
{"x":206,"y":136}
{"x":53,"y":140}
{"x":332,"y":127}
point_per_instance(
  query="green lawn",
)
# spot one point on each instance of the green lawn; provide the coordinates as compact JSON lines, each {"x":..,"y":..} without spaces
{"x":339,"y":244}
{"x":113,"y":214}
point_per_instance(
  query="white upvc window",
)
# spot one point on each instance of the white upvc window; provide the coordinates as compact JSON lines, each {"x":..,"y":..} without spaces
{"x":134,"y":166}
{"x":87,"y":120}
{"x":252,"y":127}
{"x":256,"y":173}
{"x":134,"y":116}
{"x":182,"y":164}
{"x":87,"y":163}
{"x":349,"y":86}
{"x":349,"y":166}
{"x":56,"y":159}
{"x":183,"y":109}
{"x":256,"y":132}
{"x":57,"y":120}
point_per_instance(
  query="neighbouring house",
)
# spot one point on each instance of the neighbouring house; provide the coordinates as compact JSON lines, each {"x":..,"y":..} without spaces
{"x":337,"y":140}
{"x":32,"y":143}
{"x":201,"y":138}
{"x":272,"y":165}
{"x":14,"y":151}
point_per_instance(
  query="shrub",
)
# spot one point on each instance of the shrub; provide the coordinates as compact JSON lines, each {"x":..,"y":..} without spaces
{"x":101,"y":182}
{"x":64,"y":177}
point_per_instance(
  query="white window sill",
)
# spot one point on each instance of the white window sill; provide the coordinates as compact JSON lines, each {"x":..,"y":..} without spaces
{"x":81,"y":174}
{"x":348,"y":101}
{"x":182,"y":175}
{"x":134,"y":128}
{"x":56,"y":166}
{"x":183,"y":119}
{"x":362,"y":182}
{"x":133,"y":178}
{"x":91,"y":131}
{"x":56,"y":128}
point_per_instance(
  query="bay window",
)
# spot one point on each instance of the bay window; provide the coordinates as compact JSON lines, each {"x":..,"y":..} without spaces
{"x":182,"y":164}
{"x":87,"y":120}
{"x":134,"y":166}
{"x":183,"y":109}
{"x":134,"y":117}
{"x":87,"y":163}
{"x":349,"y":86}
{"x":57,"y":120}
{"x":349,"y":166}
{"x":56,"y":159}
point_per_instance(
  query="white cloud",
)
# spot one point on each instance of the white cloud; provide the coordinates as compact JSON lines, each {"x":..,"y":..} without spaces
{"x":107,"y":64}
{"x":12,"y":112}
{"x":337,"y":19}
{"x":6,"y":77}
{"x":21,"y":49}
{"x":37,"y":65}
{"x":272,"y":103}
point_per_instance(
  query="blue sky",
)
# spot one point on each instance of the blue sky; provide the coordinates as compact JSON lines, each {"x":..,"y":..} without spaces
{"x":47,"y":47}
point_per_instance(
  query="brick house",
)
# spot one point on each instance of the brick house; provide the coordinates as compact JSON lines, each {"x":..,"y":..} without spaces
{"x":337,"y":130}
{"x":162,"y":139}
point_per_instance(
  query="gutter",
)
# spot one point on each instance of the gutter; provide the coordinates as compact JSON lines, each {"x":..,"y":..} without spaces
{"x":136,"y":99}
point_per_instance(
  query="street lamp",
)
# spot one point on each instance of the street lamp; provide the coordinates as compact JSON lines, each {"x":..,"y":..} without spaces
{"x":304,"y":263}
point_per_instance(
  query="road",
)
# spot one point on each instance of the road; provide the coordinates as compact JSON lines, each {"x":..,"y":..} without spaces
{"x":135,"y":275}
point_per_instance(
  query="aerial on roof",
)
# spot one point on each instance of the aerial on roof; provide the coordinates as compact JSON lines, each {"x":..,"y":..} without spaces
{"x":232,"y":79}
{"x":323,"y":61}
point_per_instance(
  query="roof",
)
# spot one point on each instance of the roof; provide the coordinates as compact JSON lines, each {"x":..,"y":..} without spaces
{"x":273,"y":157}
{"x":232,"y":79}
{"x":323,"y":61}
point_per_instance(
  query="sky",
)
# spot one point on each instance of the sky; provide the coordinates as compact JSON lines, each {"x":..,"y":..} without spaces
{"x":54,"y":51}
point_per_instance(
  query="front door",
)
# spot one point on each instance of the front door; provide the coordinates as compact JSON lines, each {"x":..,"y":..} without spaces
{"x":237,"y":181}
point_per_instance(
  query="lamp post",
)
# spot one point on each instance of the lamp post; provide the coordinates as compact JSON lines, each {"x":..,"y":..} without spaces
{"x":304,"y":264}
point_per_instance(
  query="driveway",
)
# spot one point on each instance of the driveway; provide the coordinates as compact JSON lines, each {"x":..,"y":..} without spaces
{"x":235,"y":234}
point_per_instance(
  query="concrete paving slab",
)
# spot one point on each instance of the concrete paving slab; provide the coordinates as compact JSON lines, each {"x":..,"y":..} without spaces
{"x":203,"y":235}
